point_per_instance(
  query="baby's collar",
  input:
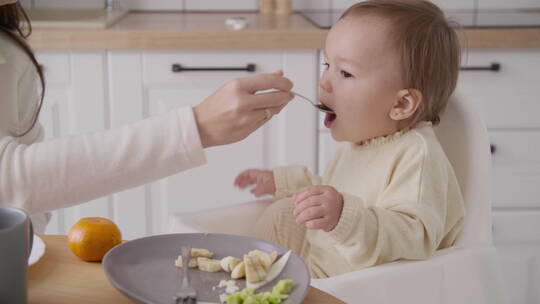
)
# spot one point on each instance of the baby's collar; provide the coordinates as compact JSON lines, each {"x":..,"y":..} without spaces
{"x":380,"y":140}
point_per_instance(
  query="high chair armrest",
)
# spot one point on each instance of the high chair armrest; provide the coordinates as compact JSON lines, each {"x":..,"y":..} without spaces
{"x":236,"y":219}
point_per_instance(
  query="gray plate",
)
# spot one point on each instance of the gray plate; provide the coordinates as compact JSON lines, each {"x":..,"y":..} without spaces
{"x":143,"y":269}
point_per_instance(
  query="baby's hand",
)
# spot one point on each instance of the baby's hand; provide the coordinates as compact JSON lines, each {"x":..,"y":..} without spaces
{"x":319,"y":207}
{"x":262,"y":179}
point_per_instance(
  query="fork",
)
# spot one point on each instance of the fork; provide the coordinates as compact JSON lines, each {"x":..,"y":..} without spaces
{"x":186,"y":294}
{"x":321,"y":107}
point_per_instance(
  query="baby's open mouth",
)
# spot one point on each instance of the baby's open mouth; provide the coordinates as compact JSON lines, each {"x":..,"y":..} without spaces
{"x":330,"y":117}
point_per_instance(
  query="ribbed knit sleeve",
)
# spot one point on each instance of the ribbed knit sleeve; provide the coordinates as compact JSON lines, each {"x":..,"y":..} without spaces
{"x":62,"y":172}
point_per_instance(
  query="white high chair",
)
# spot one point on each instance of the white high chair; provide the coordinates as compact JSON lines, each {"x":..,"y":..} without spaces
{"x":465,"y":273}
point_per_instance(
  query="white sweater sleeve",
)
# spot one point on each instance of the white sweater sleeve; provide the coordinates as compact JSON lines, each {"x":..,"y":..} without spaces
{"x":66,"y":171}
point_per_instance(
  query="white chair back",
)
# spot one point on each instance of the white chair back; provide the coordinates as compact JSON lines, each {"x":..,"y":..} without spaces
{"x":464,"y":137}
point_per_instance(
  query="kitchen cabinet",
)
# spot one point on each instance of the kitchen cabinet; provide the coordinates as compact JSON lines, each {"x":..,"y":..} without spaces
{"x":89,"y":91}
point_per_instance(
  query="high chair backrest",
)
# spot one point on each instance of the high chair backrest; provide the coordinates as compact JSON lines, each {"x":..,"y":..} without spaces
{"x":464,"y":137}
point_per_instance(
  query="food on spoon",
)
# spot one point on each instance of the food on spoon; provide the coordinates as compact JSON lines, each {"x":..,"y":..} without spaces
{"x":192,"y":262}
{"x":228,"y":263}
{"x":239,"y":271}
{"x":209,"y":265}
{"x":255,"y":269}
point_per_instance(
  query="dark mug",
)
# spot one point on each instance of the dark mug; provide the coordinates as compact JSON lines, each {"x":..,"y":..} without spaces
{"x":16,"y":238}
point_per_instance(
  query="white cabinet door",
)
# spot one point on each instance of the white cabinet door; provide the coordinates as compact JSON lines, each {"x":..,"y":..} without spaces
{"x":516,"y":168}
{"x":507,"y":98}
{"x":516,"y":234}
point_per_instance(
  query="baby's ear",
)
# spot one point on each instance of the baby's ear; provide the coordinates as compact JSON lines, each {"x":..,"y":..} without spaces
{"x":406,"y":104}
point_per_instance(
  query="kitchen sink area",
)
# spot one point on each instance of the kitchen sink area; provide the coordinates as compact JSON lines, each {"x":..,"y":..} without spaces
{"x":75,"y":18}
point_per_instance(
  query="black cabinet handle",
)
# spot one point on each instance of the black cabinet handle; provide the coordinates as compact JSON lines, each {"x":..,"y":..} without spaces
{"x":177,"y":68}
{"x":492,"y":148}
{"x":494,"y":67}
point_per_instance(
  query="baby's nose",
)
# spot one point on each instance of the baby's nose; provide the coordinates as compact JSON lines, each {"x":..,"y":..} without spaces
{"x":324,"y":84}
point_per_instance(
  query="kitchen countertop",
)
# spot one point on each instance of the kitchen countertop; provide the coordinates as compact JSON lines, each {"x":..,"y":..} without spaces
{"x":177,"y":31}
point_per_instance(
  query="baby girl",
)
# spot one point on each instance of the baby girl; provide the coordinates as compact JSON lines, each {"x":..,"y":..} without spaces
{"x":389,"y":192}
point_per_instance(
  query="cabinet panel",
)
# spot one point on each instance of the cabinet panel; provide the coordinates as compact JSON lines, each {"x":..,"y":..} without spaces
{"x":507,"y":98}
{"x":516,"y":226}
{"x":56,"y":67}
{"x":516,"y":168}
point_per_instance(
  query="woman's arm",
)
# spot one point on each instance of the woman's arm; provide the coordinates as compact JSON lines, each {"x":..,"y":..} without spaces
{"x":66,"y":171}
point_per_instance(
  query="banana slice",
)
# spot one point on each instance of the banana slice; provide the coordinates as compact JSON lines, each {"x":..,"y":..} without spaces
{"x":255,"y":270}
{"x":264,"y":257}
{"x":273,"y":257}
{"x":192,"y":262}
{"x":209,"y":265}
{"x":228,"y":263}
{"x":239,"y":271}
{"x":201,"y":252}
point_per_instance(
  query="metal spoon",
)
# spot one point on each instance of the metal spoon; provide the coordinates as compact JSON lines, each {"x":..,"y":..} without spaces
{"x":319,"y":106}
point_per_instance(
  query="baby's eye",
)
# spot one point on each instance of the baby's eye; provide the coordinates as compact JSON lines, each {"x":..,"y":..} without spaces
{"x":326,"y":65}
{"x":345,"y":74}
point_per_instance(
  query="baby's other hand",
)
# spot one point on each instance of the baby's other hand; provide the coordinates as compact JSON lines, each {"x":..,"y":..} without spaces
{"x":262,"y":179}
{"x":319,"y":207}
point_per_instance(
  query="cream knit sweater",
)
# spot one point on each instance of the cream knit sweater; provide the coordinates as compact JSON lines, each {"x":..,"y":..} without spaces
{"x":401,"y":201}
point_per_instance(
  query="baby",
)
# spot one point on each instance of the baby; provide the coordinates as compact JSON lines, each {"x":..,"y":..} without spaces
{"x":389,"y":192}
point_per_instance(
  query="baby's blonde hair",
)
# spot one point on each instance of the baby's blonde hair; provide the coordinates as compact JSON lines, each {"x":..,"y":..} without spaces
{"x":429,"y":49}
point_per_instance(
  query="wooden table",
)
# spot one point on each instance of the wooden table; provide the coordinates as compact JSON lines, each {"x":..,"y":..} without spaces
{"x":59,"y":277}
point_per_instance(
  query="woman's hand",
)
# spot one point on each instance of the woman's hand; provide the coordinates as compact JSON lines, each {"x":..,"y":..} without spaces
{"x":235,"y":110}
{"x":319,"y":207}
{"x":262,"y":179}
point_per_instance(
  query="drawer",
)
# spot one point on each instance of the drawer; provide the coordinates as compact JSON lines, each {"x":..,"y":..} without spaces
{"x":508,"y":98}
{"x":516,"y":168}
{"x":158,"y":65}
{"x":516,"y":226}
{"x":55,"y":66}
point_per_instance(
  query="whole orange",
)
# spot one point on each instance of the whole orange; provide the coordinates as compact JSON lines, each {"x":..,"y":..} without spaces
{"x":91,"y":237}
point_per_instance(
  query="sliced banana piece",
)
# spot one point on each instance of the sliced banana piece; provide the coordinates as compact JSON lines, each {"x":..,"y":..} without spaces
{"x":228,"y":263}
{"x":255,"y":270}
{"x":273,"y":257}
{"x":239,"y":271}
{"x":209,"y":265}
{"x":201,"y":252}
{"x":192,"y":262}
{"x":264,"y":257}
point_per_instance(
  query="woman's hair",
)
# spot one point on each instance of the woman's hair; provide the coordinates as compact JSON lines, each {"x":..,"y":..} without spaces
{"x":15,"y":24}
{"x":428,"y":46}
